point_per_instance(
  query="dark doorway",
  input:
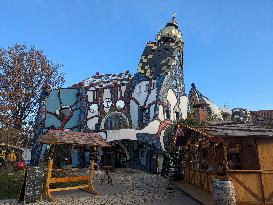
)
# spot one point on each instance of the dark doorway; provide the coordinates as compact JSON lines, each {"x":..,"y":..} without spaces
{"x":115,"y":156}
{"x":150,"y":162}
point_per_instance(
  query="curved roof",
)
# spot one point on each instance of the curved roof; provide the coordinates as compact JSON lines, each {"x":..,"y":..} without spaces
{"x":170,"y":31}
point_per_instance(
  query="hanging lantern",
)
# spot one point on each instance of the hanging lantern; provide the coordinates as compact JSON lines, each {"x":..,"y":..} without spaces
{"x":179,"y":135}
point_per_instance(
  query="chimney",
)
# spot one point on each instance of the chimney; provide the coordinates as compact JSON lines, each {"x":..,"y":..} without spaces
{"x":201,"y":114}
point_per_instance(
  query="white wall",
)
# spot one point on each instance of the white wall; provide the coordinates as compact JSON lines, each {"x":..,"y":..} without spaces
{"x":152,"y":96}
{"x":123,"y":88}
{"x":134,"y":114}
{"x":90,"y":95}
{"x":92,"y":112}
{"x":106,"y":94}
{"x":140,"y":96}
{"x":161,"y":113}
{"x":122,"y":134}
{"x":92,"y":123}
{"x":184,"y":106}
{"x":172,"y":100}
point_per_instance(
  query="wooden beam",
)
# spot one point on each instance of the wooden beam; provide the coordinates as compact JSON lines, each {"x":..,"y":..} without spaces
{"x":68,"y":179}
{"x":69,"y":188}
{"x":244,"y":170}
{"x":249,"y":190}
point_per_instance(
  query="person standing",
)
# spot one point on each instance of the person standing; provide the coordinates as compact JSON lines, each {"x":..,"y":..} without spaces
{"x":113,"y":160}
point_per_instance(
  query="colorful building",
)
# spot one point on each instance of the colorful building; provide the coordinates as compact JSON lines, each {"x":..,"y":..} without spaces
{"x":131,"y":111}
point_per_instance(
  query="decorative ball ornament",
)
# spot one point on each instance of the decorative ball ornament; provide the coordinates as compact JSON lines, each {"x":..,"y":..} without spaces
{"x":120,"y":104}
{"x":20,"y":165}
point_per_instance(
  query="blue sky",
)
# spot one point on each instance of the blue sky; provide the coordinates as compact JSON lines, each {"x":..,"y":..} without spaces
{"x":228,"y":44}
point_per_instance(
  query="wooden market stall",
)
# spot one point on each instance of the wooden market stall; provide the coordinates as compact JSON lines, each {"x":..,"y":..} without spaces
{"x":59,"y":137}
{"x":242,"y":153}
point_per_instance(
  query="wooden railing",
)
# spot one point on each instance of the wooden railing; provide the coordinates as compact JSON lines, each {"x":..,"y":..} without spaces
{"x":88,"y":186}
{"x":200,"y":178}
{"x":251,"y":186}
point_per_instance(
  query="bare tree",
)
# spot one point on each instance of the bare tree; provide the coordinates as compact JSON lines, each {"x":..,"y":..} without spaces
{"x":23,"y":73}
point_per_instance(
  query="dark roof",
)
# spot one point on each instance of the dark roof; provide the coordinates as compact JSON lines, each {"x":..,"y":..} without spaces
{"x":70,"y":137}
{"x":263,"y":118}
{"x":231,"y":129}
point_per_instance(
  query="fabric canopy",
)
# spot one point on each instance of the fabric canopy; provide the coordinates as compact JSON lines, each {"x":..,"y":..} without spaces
{"x":76,"y":138}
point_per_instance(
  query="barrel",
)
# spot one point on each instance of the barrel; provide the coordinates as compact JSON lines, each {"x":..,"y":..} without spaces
{"x":223,"y":192}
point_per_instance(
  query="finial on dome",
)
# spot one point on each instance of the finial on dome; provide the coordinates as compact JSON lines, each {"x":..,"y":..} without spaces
{"x":170,"y":32}
{"x":174,"y":16}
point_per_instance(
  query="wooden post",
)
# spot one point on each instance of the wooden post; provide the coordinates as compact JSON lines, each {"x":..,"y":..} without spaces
{"x":261,"y":168}
{"x":225,"y":160}
{"x":90,"y":187}
{"x":47,"y":194}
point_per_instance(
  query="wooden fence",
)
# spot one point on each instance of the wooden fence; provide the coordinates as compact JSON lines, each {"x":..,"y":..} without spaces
{"x":251,"y":186}
{"x":200,"y":178}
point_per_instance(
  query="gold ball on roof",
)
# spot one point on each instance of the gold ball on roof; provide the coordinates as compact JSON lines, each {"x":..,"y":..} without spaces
{"x":170,"y":31}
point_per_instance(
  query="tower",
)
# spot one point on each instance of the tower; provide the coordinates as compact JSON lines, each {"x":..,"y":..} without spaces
{"x":158,"y":87}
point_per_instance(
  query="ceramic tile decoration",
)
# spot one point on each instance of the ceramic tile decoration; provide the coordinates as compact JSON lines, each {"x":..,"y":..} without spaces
{"x":223,"y":192}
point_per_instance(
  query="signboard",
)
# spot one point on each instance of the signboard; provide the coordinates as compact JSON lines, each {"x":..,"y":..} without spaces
{"x":32,"y":187}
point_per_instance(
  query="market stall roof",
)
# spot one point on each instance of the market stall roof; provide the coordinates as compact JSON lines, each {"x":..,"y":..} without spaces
{"x":237,"y":130}
{"x":76,"y":138}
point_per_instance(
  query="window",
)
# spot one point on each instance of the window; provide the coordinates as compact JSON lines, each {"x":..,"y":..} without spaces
{"x":144,"y":116}
{"x":174,"y":83}
{"x":139,"y":89}
{"x":146,"y":87}
{"x":177,"y":115}
{"x":107,"y":103}
{"x":167,"y":114}
{"x":153,"y":87}
{"x":94,"y":95}
{"x":116,"y":121}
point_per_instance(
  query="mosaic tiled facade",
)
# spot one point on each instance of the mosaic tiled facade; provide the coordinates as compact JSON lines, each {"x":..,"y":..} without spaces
{"x":106,"y":102}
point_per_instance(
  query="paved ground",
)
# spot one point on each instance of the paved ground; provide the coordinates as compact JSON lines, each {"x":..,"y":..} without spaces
{"x":129,"y":187}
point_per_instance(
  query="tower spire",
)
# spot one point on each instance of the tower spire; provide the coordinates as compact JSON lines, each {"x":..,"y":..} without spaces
{"x":174,"y":16}
{"x":170,"y":32}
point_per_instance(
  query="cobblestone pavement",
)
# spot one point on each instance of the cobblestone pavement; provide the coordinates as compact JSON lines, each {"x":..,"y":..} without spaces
{"x":129,"y":187}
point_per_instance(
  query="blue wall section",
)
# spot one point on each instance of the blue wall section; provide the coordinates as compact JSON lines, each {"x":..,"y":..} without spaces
{"x":58,"y":98}
{"x":52,"y":102}
{"x":69,"y":96}
{"x":51,"y":120}
{"x":74,"y":120}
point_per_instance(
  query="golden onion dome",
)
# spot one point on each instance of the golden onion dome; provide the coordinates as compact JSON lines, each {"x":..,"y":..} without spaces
{"x":170,"y":33}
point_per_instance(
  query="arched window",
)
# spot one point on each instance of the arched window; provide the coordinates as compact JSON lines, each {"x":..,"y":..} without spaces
{"x":116,"y":121}
{"x":167,"y":114}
